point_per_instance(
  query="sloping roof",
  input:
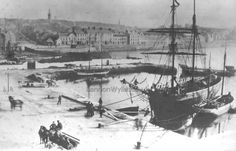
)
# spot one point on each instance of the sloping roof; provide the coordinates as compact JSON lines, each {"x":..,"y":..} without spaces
{"x":49,"y":40}
{"x":80,"y":32}
{"x":63,"y":34}
{"x":72,"y":33}
{"x":92,"y":31}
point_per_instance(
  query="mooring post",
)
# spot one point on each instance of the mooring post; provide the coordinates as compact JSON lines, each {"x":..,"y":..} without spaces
{"x":138,"y":145}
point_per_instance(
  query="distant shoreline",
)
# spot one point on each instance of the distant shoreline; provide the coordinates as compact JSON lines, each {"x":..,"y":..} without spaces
{"x":115,"y":48}
{"x":220,"y":43}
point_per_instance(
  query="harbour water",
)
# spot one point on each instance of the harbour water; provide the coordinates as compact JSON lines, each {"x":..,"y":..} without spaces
{"x":115,"y":95}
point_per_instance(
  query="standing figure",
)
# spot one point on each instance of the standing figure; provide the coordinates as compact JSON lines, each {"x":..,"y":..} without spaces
{"x":100,"y":107}
{"x":138,"y":124}
{"x":59,"y":100}
{"x":88,"y":109}
{"x":92,"y":109}
{"x":100,"y":101}
{"x":146,"y":112}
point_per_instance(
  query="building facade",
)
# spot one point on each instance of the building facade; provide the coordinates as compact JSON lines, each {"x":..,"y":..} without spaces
{"x":120,"y":39}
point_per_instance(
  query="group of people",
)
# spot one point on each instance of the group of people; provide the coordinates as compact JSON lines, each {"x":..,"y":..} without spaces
{"x":50,"y":83}
{"x":53,"y":135}
{"x":58,"y":138}
{"x":46,"y":135}
{"x":90,"y":108}
{"x":55,"y":127}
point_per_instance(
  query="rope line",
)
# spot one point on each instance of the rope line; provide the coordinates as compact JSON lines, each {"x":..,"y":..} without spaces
{"x":122,"y":100}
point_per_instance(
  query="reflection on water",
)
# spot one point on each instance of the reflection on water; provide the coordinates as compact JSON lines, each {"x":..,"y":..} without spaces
{"x":206,"y":124}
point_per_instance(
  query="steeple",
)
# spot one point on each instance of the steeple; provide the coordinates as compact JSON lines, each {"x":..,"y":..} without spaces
{"x":49,"y":15}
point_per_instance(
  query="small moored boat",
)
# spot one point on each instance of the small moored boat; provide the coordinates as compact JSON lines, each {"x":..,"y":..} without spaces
{"x":92,"y":72}
{"x":218,"y":106}
{"x":187,"y":71}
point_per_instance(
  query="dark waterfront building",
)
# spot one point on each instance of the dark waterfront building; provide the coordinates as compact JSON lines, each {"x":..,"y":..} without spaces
{"x":7,"y":40}
{"x":2,"y":41}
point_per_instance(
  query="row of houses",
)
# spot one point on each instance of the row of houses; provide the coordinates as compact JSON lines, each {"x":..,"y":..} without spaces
{"x":105,"y":36}
{"x":132,"y":37}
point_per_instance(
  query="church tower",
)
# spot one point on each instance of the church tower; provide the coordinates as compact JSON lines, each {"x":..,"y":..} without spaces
{"x":49,"y":15}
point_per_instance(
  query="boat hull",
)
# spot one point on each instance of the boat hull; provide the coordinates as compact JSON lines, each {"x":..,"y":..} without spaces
{"x":94,"y":81}
{"x":221,"y":105}
{"x":187,"y":71}
{"x":95,"y":73}
{"x":143,"y":67}
{"x":201,"y":94}
{"x":168,"y":107}
{"x":178,"y":123}
{"x":216,"y":111}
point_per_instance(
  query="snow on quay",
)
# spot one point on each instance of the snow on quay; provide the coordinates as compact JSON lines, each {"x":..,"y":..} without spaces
{"x":19,"y":128}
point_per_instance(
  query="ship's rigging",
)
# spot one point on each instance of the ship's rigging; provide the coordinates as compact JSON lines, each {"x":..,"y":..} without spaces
{"x":168,"y":102}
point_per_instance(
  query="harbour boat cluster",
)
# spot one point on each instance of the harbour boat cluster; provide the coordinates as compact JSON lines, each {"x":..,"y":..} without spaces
{"x":174,"y":106}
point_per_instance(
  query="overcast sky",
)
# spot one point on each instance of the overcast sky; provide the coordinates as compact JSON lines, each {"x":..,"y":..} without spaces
{"x":141,"y":13}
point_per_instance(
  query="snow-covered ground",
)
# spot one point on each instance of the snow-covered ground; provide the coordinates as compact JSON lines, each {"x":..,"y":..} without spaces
{"x":19,"y":129}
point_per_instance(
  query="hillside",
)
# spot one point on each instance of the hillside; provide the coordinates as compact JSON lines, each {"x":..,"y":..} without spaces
{"x":37,"y":30}
{"x":54,"y":25}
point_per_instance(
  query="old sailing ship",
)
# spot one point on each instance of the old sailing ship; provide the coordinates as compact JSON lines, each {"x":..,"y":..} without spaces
{"x":171,"y":106}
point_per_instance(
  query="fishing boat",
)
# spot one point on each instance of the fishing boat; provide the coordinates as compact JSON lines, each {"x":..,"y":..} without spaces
{"x":142,"y":67}
{"x":218,"y":105}
{"x":133,"y":58}
{"x":92,"y":72}
{"x":187,"y":71}
{"x":171,"y":104}
{"x":95,"y":80}
{"x":88,"y":71}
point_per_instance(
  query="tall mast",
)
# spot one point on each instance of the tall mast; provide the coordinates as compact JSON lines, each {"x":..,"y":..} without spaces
{"x":101,"y":64}
{"x":89,"y":52}
{"x":101,"y":50}
{"x":194,"y":28}
{"x":173,"y":38}
{"x":223,"y":79}
{"x":208,"y":81}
